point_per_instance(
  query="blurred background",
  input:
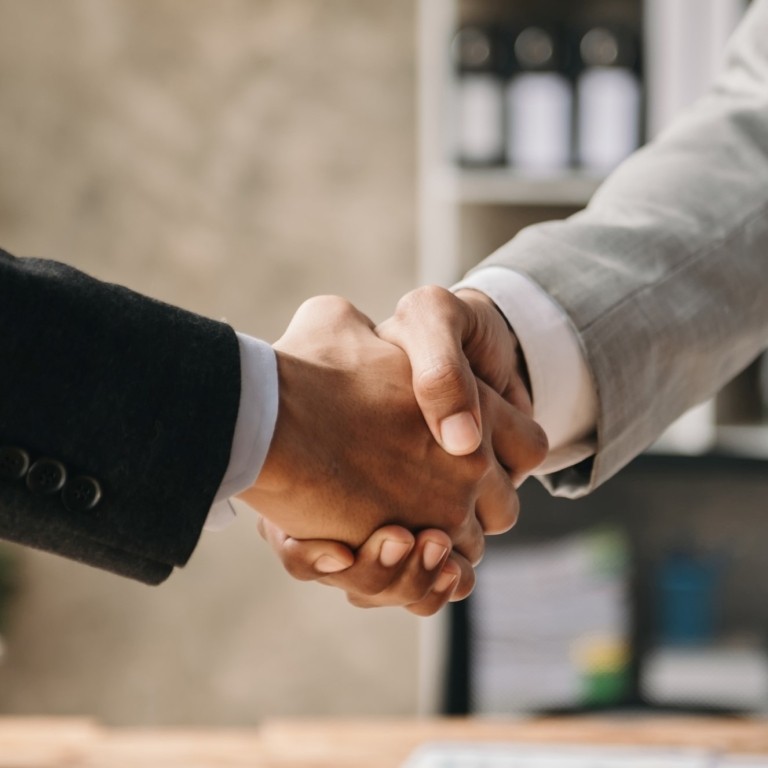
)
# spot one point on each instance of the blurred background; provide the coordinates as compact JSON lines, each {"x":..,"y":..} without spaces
{"x":235,"y":158}
{"x":239,"y":156}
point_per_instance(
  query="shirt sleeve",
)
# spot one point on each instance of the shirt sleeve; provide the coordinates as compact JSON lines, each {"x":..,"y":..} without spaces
{"x":254,"y":428}
{"x":563,"y":392}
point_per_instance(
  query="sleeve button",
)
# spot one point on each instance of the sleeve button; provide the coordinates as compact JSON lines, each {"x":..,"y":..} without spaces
{"x":14,"y":462}
{"x":46,"y":476}
{"x":81,"y":494}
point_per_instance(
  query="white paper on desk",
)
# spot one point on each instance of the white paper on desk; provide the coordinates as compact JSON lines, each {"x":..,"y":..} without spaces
{"x":537,"y":612}
{"x":510,"y":755}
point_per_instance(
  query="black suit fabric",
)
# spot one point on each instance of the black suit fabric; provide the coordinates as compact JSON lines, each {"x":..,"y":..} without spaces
{"x":140,"y":396}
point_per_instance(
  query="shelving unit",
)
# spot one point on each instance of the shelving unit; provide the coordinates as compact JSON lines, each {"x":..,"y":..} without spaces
{"x":501,"y":186}
{"x":743,"y":439}
{"x":465,"y":213}
{"x":447,"y":192}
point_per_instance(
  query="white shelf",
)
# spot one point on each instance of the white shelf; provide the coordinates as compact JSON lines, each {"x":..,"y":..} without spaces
{"x":504,"y":186}
{"x":697,"y":432}
{"x":682,"y":45}
{"x":745,"y":440}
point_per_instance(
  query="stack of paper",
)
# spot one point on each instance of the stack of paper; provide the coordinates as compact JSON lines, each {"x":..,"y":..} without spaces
{"x":550,"y":624}
{"x":721,"y":676}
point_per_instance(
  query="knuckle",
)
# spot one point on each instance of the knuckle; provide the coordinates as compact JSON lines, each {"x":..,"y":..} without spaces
{"x":295,"y":562}
{"x":537,"y":448}
{"x":444,"y":379}
{"x":505,"y":517}
{"x":429,"y":295}
{"x":427,"y":304}
{"x":436,"y":296}
{"x":335,"y":306}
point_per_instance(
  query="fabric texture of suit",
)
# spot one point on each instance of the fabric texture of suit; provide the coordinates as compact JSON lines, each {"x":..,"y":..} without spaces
{"x":140,"y":395}
{"x":664,"y":275}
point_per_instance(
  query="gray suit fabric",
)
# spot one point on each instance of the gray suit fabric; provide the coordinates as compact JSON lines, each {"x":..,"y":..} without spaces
{"x":664,"y":275}
{"x":138,"y":394}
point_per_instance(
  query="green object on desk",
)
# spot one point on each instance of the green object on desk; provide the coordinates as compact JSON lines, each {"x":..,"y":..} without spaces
{"x":606,"y":687}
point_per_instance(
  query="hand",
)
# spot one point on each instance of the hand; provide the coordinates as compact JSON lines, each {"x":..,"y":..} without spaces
{"x":450,"y":339}
{"x":351,"y":452}
{"x":392,"y":568}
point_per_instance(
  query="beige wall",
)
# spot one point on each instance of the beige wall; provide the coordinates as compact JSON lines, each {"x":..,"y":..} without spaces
{"x":234,"y":157}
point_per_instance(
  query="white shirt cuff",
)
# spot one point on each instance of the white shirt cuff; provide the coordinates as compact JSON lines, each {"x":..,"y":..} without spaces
{"x":564,"y":397}
{"x":254,"y":428}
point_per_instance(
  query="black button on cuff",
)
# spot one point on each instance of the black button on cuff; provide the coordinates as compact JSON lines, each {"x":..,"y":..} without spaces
{"x":14,"y":463}
{"x":46,"y":476}
{"x":81,"y":494}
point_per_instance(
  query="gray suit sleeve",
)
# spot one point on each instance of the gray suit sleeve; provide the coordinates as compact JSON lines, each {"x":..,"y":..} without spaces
{"x":664,"y":275}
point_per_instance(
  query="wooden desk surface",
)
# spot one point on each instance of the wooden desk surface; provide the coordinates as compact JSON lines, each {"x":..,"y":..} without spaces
{"x":63,"y":743}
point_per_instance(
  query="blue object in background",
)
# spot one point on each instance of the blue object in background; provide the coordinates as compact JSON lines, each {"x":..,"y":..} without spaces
{"x":688,"y":594}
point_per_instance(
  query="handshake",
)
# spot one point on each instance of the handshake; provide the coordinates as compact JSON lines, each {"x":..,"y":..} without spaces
{"x":397,"y":448}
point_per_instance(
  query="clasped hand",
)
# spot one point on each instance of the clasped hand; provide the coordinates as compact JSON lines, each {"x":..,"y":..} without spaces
{"x":396,"y":448}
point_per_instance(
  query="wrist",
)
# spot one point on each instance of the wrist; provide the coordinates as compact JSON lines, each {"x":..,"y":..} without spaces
{"x":274,"y":475}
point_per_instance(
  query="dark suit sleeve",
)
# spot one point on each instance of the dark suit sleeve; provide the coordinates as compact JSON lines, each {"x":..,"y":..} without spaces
{"x":133,"y":394}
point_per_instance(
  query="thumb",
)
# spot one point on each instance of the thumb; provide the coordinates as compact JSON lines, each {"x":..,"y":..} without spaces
{"x":430,"y":325}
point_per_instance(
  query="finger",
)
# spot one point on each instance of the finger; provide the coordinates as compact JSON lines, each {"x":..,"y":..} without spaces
{"x":497,"y":507}
{"x":260,"y":527}
{"x":429,"y":325}
{"x":440,"y":594}
{"x":518,"y":389}
{"x":331,"y":314}
{"x":469,"y":539}
{"x":306,"y":560}
{"x":467,"y":578}
{"x":271,"y":533}
{"x":462,"y":582}
{"x":424,"y":592}
{"x":378,"y":562}
{"x":518,"y":442}
{"x":513,"y":446}
{"x":421,"y":572}
{"x":508,"y":376}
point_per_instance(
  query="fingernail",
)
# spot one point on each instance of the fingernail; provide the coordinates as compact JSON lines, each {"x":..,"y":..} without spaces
{"x":445,"y":581}
{"x":328,"y":564}
{"x":459,"y":433}
{"x":433,"y":555}
{"x":392,"y":552}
